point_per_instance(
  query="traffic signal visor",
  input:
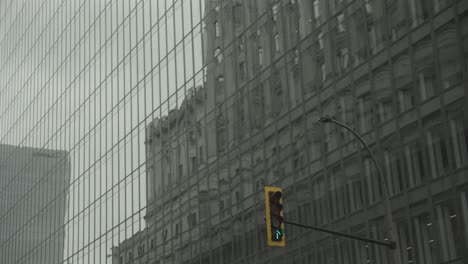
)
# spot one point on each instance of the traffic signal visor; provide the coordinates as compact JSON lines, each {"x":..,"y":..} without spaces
{"x":274,"y":216}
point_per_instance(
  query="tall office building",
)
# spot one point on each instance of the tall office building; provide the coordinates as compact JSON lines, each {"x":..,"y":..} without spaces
{"x":33,"y":204}
{"x":175,"y":114}
{"x":393,"y":70}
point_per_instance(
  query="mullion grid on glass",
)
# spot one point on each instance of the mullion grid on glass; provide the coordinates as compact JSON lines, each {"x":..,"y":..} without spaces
{"x":82,"y":141}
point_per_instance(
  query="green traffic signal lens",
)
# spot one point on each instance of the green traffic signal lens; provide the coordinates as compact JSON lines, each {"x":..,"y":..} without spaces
{"x":277,"y":235}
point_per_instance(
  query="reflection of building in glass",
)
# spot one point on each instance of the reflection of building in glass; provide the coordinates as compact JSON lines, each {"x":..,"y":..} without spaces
{"x":32,"y":228}
{"x":391,"y":69}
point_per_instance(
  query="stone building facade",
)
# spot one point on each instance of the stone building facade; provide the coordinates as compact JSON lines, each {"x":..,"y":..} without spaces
{"x":396,"y":71}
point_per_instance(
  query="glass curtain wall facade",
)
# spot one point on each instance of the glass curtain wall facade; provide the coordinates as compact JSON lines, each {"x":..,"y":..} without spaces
{"x":171,"y":116}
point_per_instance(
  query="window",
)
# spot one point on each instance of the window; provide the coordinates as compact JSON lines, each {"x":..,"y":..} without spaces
{"x":181,"y":171}
{"x":464,"y":209}
{"x":346,"y":115}
{"x":330,"y":142}
{"x":319,"y":201}
{"x":392,"y":169}
{"x":374,"y":40}
{"x":302,"y":26}
{"x":404,"y":242}
{"x":296,"y":57}
{"x":413,"y":156}
{"x":323,"y":70}
{"x":442,"y":4}
{"x":201,"y":154}
{"x":217,"y":27}
{"x":372,"y":181}
{"x":320,"y":40}
{"x":260,"y":56}
{"x":341,"y":23}
{"x":241,"y":43}
{"x":296,"y":163}
{"x":403,"y":82}
{"x":314,"y":134}
{"x":220,"y":85}
{"x":364,"y":107}
{"x":221,"y":134}
{"x":425,"y":76}
{"x":377,"y":254}
{"x":237,"y":14}
{"x":274,"y":10}
{"x":374,"y":19}
{"x":199,"y":128}
{"x":465,"y":39}
{"x":354,"y":182}
{"x":425,"y":79}
{"x":241,"y":115}
{"x":176,"y":232}
{"x":424,"y":239}
{"x":277,"y":106}
{"x":343,"y":253}
{"x":316,"y":9}
{"x":420,"y":11}
{"x":242,"y":70}
{"x":437,"y":150}
{"x":369,"y":6}
{"x":358,"y":36}
{"x":451,"y":240}
{"x":192,"y":220}
{"x":458,"y":128}
{"x":277,"y":43}
{"x":397,"y":18}
{"x":361,"y":252}
{"x":345,"y":107}
{"x":258,"y":106}
{"x":342,"y":60}
{"x":449,"y":57}
{"x":140,"y":251}
{"x":330,"y":132}
{"x":384,"y":94}
{"x":218,"y":55}
{"x":337,"y":192}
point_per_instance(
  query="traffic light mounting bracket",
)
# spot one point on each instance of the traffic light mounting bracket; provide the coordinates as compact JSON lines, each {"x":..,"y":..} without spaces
{"x":389,"y":244}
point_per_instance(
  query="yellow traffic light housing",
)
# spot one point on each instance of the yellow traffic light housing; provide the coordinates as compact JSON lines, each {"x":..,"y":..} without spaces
{"x":274,"y":216}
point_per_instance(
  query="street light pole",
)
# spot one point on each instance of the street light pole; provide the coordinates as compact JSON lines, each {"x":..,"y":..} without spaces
{"x":386,"y":200}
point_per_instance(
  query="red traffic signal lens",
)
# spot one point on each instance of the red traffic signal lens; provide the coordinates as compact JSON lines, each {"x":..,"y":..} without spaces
{"x":276,"y":197}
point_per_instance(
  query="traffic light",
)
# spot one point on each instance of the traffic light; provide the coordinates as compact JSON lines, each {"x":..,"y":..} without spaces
{"x":274,"y":216}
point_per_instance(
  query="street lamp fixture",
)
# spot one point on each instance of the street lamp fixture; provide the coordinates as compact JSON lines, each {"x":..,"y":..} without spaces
{"x":325,"y":119}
